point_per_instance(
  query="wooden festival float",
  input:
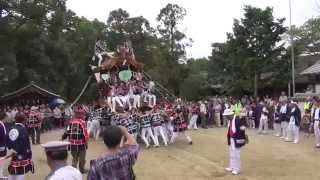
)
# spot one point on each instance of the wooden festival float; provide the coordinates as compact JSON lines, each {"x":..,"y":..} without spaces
{"x":121,"y":82}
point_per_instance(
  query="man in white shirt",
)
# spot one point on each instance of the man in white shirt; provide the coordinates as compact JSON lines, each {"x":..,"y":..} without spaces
{"x":14,"y":112}
{"x":57,"y":117}
{"x":284,"y":109}
{"x":57,"y":155}
{"x":217,"y":113}
{"x":203,"y":114}
{"x":316,"y":123}
{"x":9,"y":115}
{"x":263,"y":125}
{"x":283,"y":97}
{"x":68,"y":112}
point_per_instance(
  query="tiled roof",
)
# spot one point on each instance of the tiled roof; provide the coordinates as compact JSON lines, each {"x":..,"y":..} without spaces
{"x":314,"y":69}
{"x":31,"y":87}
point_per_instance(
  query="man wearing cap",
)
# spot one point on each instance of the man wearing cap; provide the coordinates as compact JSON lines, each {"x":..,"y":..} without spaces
{"x":19,"y":149}
{"x":57,"y":155}
{"x":78,"y":136}
{"x":236,"y":139}
{"x":34,"y":124}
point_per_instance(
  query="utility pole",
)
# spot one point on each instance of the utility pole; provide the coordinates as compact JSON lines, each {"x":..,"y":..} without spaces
{"x":292,"y":54}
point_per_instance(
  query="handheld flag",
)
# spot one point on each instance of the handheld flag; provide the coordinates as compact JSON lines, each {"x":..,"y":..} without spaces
{"x":237,"y":109}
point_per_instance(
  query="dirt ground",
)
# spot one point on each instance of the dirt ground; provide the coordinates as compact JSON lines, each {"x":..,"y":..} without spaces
{"x":265,"y":158}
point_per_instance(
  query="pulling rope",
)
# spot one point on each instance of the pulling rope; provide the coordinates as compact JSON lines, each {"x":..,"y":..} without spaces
{"x":82,"y":91}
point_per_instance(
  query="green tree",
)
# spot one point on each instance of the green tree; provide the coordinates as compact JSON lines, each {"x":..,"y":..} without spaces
{"x":42,"y":41}
{"x":196,"y":82}
{"x":117,"y":20}
{"x":255,"y":43}
{"x":169,"y":18}
{"x":307,"y":36}
{"x":121,"y":27}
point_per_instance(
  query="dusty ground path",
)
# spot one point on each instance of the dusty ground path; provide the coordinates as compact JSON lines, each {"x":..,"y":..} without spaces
{"x":265,"y":158}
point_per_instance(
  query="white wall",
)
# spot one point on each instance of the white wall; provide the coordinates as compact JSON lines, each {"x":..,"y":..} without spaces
{"x":317,"y":87}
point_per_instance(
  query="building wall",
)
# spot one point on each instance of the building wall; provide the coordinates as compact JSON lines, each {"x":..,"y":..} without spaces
{"x":317,"y":88}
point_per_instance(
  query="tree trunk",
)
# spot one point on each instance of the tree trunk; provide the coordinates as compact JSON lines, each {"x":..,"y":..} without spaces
{"x":171,"y":41}
{"x":256,"y":86}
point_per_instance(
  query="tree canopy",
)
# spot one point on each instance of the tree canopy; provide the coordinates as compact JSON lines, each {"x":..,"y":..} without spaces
{"x":45,"y":42}
{"x":251,"y":51}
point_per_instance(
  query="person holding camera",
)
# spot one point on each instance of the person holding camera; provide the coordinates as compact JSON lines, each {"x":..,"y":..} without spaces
{"x":118,"y":160}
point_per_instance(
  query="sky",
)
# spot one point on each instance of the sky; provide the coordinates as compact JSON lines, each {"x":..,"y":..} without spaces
{"x":206,"y":22}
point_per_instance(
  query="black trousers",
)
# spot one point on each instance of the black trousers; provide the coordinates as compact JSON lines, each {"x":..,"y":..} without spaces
{"x":79,"y":157}
{"x":46,"y":124}
{"x":203,"y":120}
{"x":35,"y":135}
